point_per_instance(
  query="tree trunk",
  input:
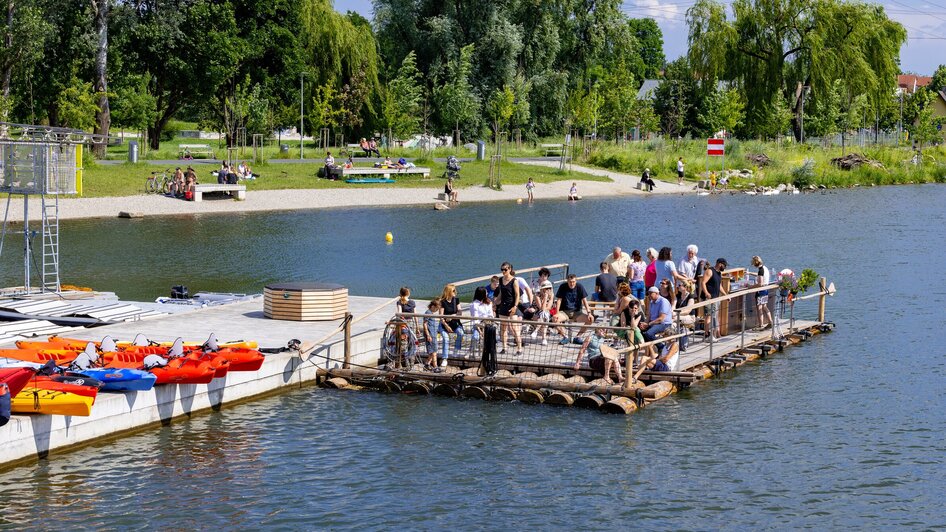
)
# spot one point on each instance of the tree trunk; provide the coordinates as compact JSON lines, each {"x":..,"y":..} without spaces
{"x":103,"y":117}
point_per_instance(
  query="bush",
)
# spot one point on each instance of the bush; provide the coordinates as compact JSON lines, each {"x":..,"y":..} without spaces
{"x":654,"y":144}
{"x":171,"y":130}
{"x":804,"y":175}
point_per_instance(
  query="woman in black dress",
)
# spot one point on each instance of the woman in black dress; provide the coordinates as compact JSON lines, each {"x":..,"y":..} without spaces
{"x":508,"y":306}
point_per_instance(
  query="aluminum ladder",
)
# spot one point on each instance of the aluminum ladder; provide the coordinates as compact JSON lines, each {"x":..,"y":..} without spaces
{"x":50,"y":207}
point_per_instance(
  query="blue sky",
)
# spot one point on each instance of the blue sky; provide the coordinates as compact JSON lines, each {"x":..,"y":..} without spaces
{"x":923,"y":19}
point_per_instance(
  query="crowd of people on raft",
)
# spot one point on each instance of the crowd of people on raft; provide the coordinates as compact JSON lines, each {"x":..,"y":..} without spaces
{"x":642,"y":296}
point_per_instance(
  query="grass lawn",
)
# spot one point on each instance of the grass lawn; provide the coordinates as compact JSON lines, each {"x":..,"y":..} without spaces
{"x":129,"y":179}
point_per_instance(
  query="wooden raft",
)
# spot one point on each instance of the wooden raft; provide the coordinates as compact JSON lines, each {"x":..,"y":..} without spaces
{"x":305,"y":301}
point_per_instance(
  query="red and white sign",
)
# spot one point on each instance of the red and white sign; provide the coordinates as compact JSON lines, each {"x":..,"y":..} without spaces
{"x":716,"y":147}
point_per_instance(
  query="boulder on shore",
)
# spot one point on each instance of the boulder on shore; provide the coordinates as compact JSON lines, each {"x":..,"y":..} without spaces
{"x":853,"y":160}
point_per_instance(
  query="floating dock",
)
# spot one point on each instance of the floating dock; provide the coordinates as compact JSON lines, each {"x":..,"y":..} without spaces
{"x":28,"y":437}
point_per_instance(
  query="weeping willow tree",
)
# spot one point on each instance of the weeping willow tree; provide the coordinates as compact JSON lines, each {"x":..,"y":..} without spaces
{"x":343,"y":54}
{"x":773,"y":48}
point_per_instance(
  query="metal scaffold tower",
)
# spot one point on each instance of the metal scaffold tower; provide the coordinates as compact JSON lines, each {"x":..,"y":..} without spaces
{"x":46,"y":162}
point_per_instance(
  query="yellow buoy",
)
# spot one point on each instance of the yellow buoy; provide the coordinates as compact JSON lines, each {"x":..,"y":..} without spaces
{"x":519,"y":201}
{"x":388,"y":237}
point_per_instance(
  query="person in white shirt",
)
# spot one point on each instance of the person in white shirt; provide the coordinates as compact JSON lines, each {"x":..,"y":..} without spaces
{"x":762,"y":296}
{"x":688,"y":265}
{"x":618,"y":263}
{"x":680,"y":171}
{"x":481,"y":307}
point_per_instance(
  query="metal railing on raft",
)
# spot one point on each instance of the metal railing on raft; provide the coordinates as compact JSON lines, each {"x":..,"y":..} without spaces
{"x":466,"y":287}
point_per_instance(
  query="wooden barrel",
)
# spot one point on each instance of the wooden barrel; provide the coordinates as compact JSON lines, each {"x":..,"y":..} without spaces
{"x":590,"y":400}
{"x":532,"y":397}
{"x":474,"y":392}
{"x":560,"y":399}
{"x":619,"y":405}
{"x":503,"y":373}
{"x":416,"y":387}
{"x":305,"y":301}
{"x":660,"y":389}
{"x":337,"y":383}
{"x":503,"y":394}
{"x":445,"y":390}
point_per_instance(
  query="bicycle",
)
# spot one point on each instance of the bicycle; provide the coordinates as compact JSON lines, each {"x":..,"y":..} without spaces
{"x":159,"y":182}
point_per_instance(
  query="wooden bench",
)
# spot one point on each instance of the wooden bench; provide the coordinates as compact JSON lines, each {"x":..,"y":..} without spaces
{"x":193,"y":150}
{"x":239,"y":190}
{"x":385,"y":172}
{"x":552,"y":149}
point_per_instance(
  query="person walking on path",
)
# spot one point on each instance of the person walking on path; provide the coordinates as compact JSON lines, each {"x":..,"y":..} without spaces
{"x":680,"y":171}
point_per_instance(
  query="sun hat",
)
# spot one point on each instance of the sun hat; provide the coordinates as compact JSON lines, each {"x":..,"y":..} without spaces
{"x":653,"y":290}
{"x":545,"y":284}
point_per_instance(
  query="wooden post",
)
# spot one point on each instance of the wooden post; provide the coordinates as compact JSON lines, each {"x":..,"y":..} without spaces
{"x":821,"y":300}
{"x":347,"y":363}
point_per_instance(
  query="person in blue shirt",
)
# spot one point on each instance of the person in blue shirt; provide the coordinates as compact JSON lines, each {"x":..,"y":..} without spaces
{"x":661,"y":315}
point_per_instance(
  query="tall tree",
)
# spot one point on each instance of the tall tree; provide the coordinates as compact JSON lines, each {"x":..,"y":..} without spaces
{"x":771,"y":46}
{"x":103,"y":118}
{"x":455,"y":97}
{"x":403,"y":96}
{"x":651,"y":42}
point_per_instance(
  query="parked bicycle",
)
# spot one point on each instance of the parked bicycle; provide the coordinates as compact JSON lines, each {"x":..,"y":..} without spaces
{"x":159,"y":182}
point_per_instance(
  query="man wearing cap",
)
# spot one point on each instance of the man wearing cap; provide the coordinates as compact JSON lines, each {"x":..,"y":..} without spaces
{"x":712,"y":286}
{"x":660,"y":315}
{"x":618,"y":264}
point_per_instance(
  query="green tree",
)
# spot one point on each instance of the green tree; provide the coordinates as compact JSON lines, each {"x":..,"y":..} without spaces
{"x":618,"y":98}
{"x":500,"y":107}
{"x":77,"y":105}
{"x":134,"y":107}
{"x":403,"y":98}
{"x":772,"y":46}
{"x":25,"y":34}
{"x":325,"y":108}
{"x":650,"y":40}
{"x":925,"y":129}
{"x":938,"y":83}
{"x":455,"y":98}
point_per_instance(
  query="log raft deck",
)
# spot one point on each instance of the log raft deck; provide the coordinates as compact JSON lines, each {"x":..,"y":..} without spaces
{"x":546,"y":374}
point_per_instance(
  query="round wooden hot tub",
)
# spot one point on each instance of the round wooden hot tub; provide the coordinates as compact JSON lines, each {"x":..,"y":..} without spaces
{"x":305,"y":301}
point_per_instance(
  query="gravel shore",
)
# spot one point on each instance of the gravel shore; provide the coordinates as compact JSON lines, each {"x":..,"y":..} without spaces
{"x":298,"y":199}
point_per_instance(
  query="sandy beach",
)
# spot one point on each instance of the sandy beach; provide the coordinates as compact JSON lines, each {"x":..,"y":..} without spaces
{"x":298,"y":199}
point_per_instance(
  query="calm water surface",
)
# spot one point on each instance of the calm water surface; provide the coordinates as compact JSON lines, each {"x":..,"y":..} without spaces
{"x":845,"y":430}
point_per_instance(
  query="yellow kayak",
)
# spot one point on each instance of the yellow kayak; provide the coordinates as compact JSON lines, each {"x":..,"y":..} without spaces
{"x":38,"y":401}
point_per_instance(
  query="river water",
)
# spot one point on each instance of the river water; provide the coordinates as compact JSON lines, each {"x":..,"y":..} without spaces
{"x":844,"y":430}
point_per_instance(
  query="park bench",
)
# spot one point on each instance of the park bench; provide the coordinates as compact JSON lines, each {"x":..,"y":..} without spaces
{"x":385,"y":172}
{"x":551,"y":149}
{"x":195,"y":150}
{"x":238,"y":190}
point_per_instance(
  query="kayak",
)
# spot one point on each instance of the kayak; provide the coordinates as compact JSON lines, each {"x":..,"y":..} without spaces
{"x":12,"y":381}
{"x":121,"y":379}
{"x":220,"y":364}
{"x":32,"y":400}
{"x":141,"y":340}
{"x":61,"y":383}
{"x":176,"y":370}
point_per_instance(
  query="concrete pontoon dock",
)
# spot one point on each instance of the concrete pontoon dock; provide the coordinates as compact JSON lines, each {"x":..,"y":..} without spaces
{"x":30,"y":436}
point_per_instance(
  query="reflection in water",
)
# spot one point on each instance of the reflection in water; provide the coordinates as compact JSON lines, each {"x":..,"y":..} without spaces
{"x":842,"y":431}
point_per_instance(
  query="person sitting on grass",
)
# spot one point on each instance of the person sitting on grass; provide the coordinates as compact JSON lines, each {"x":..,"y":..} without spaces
{"x":571,"y":305}
{"x":245,"y":171}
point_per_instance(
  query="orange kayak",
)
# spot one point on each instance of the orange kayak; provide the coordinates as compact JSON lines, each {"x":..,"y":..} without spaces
{"x":178,"y":370}
{"x":229,"y":358}
{"x":44,"y":382}
{"x":219,"y":364}
{"x":75,"y":342}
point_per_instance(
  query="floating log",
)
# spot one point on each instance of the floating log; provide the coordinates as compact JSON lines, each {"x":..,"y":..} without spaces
{"x":649,"y":392}
{"x":532,"y":397}
{"x":576,"y":379}
{"x":445,"y":390}
{"x":416,"y":387}
{"x":474,"y":392}
{"x":619,"y":405}
{"x":337,"y":383}
{"x":554,"y":377}
{"x":503,"y":394}
{"x":590,"y":400}
{"x":503,"y":373}
{"x":560,"y":399}
{"x":526,"y":375}
{"x":658,"y":390}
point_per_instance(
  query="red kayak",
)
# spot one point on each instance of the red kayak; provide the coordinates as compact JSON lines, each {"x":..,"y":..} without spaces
{"x":177,"y":370}
{"x":16,"y":378}
{"x":45,"y":382}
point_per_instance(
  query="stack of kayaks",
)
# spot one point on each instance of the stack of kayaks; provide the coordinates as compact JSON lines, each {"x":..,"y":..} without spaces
{"x":63,"y":375}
